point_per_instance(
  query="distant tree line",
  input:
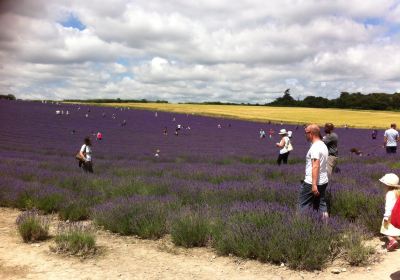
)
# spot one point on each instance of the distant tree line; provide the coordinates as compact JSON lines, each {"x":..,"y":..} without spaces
{"x":117,"y":100}
{"x":8,"y":96}
{"x":346,"y":100}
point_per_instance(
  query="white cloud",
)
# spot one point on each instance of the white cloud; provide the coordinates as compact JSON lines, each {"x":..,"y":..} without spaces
{"x":243,"y":51}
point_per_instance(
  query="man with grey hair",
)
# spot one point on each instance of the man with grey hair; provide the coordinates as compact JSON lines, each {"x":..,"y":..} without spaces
{"x":312,"y":193}
{"x":331,"y":141}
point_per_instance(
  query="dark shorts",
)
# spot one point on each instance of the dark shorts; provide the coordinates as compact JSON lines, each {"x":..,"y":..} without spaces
{"x":391,"y":150}
{"x":283,"y":158}
{"x":87,"y":166}
{"x":307,"y":199}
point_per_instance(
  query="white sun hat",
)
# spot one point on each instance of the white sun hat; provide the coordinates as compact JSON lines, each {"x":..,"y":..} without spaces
{"x":282,"y":131}
{"x":391,"y":180}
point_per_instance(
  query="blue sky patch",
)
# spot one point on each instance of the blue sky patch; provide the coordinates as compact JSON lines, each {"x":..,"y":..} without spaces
{"x":74,"y":22}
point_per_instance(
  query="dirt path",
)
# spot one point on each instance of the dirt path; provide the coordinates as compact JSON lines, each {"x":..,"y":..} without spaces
{"x":132,"y":258}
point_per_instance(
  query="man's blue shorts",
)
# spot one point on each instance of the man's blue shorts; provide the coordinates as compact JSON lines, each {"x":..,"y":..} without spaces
{"x":308,"y":199}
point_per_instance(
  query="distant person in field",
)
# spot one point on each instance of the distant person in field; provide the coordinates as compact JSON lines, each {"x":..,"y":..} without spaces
{"x":283,"y":147}
{"x":391,"y":138}
{"x":374,"y":134}
{"x":392,"y":193}
{"x":271,"y":133}
{"x":86,"y":154}
{"x":331,"y":141}
{"x":262,"y":133}
{"x":123,"y":123}
{"x":99,"y":136}
{"x":312,"y":193}
{"x":165,"y":131}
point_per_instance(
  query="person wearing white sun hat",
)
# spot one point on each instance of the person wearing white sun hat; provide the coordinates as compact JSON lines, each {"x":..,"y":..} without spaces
{"x":285,"y":147}
{"x":392,"y":190}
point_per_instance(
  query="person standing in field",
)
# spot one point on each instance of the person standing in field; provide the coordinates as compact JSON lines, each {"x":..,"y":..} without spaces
{"x":331,"y":141}
{"x":312,"y":192}
{"x":283,"y":145}
{"x":392,"y":193}
{"x":86,"y":153}
{"x":262,"y":133}
{"x":391,"y":138}
{"x":374,"y":134}
{"x":271,"y":133}
{"x":99,"y":136}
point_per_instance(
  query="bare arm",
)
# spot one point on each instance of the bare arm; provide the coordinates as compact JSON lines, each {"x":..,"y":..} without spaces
{"x":315,"y":176}
{"x":384,"y":140}
{"x":281,"y":144}
{"x":82,"y":154}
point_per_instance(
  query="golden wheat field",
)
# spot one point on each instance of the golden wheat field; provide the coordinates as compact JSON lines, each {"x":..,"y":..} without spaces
{"x":340,"y":117}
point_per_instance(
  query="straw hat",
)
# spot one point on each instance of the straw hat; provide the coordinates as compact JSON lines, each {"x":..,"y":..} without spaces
{"x":391,"y":180}
{"x":282,"y":131}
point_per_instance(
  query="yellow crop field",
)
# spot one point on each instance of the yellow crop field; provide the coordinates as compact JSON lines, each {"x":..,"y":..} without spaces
{"x":340,"y":117}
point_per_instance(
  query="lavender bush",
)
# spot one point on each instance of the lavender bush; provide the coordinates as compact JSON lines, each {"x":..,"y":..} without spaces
{"x":75,"y":239}
{"x":144,"y":216}
{"x":191,"y":227}
{"x":32,"y":226}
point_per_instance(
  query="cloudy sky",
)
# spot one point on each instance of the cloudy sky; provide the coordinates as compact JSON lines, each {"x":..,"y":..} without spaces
{"x":209,"y":50}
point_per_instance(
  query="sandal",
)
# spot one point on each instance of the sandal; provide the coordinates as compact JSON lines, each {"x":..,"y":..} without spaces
{"x":392,"y":245}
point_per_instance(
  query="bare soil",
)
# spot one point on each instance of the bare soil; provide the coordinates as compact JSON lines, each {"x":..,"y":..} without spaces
{"x":123,"y":257}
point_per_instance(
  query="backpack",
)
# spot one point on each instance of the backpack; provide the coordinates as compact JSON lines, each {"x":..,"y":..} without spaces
{"x":78,"y":155}
{"x":289,"y":146}
{"x":395,"y":217}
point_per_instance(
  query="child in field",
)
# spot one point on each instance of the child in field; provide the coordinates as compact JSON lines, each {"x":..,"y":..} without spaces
{"x":392,"y":190}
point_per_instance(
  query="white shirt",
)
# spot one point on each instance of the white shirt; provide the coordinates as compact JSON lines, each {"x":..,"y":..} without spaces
{"x":318,"y":150}
{"x":390,"y":201}
{"x":391,"y":135}
{"x":286,"y":143}
{"x":88,"y":152}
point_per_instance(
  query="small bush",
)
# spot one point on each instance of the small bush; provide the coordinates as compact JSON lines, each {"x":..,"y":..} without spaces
{"x":75,"y":239}
{"x":190,"y":228}
{"x":356,"y":253}
{"x":32,"y":227}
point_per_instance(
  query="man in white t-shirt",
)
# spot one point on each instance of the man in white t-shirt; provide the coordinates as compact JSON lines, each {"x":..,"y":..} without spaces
{"x":391,"y":138}
{"x":312,"y":193}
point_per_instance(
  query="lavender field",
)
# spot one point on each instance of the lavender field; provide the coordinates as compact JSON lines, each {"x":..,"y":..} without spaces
{"x":208,"y":186}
